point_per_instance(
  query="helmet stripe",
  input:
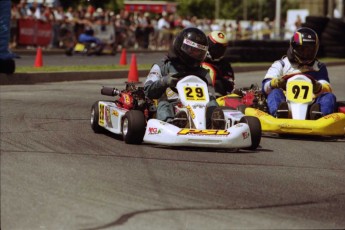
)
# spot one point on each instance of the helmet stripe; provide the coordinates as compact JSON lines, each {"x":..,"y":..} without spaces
{"x":194,"y":44}
{"x":298,"y":38}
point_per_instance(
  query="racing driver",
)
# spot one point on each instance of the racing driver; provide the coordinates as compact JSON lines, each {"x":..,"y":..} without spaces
{"x":220,"y":69}
{"x":300,"y":59}
{"x":184,"y":58}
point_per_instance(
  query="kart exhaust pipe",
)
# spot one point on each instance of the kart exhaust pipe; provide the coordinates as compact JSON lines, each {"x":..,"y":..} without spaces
{"x":108,"y":91}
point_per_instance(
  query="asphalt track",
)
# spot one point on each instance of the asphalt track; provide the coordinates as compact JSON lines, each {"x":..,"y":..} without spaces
{"x":57,"y":174}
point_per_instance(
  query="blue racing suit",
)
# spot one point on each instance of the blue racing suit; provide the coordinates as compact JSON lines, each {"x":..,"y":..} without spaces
{"x":317,"y":70}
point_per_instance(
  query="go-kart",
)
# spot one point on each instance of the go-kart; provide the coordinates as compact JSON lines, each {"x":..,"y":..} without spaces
{"x":242,"y":98}
{"x":228,"y":128}
{"x":299,"y":98}
{"x":91,"y":48}
{"x":126,"y":116}
{"x":225,"y":128}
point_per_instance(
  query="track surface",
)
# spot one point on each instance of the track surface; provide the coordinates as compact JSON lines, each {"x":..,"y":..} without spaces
{"x":57,"y":174}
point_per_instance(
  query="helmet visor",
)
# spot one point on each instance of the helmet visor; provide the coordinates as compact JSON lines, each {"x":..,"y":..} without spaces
{"x":306,"y":54}
{"x":194,"y":50}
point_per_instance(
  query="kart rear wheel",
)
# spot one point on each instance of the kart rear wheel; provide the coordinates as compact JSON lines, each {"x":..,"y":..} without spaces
{"x":133,"y":127}
{"x":95,"y":118}
{"x":255,"y":130}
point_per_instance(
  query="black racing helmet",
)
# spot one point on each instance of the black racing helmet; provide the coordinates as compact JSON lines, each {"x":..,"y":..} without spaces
{"x":304,"y":45}
{"x":190,"y":46}
{"x":217,"y":43}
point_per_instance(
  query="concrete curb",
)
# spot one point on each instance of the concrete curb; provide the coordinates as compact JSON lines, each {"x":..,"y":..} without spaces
{"x":34,"y":78}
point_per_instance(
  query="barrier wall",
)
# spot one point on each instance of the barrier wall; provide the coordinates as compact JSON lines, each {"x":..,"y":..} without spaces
{"x":34,"y":32}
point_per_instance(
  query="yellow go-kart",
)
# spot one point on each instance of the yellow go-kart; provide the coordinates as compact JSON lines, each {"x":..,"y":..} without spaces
{"x":299,"y":98}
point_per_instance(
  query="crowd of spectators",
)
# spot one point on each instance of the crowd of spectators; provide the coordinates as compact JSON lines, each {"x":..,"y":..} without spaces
{"x":130,"y":30}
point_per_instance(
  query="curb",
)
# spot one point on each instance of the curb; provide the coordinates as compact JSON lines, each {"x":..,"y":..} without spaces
{"x":33,"y":78}
{"x":33,"y":51}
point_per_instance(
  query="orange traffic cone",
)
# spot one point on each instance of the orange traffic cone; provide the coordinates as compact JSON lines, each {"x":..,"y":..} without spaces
{"x":38,"y":60}
{"x":123,"y":59}
{"x":133,"y":71}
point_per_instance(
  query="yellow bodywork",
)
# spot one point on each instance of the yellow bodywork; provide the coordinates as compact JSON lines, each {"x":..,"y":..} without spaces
{"x":329,"y":125}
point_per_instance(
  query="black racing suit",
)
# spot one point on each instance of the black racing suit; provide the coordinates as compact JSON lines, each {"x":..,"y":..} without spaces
{"x":222,"y":75}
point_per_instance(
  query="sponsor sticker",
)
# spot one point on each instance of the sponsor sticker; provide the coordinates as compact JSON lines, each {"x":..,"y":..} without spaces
{"x":191,"y":112}
{"x":153,"y":130}
{"x":194,"y":44}
{"x":245,"y":135}
{"x":115,"y":113}
{"x":108,"y":117}
{"x":333,"y":116}
{"x":206,"y":132}
{"x":101,"y":114}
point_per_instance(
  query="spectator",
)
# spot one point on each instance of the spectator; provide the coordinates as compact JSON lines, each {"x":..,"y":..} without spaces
{"x":249,"y":32}
{"x":238,"y":30}
{"x":15,"y":16}
{"x":266,"y":29}
{"x":163,"y":27}
{"x":298,"y":22}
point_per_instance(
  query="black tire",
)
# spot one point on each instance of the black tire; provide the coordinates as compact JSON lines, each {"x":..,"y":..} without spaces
{"x":340,"y":104}
{"x":7,"y":66}
{"x":133,"y":127}
{"x":255,"y":130}
{"x":242,"y":108}
{"x":69,"y":51}
{"x":95,"y":118}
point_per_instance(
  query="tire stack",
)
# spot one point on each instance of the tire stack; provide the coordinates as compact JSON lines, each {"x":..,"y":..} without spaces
{"x":256,"y":50}
{"x":333,"y":38}
{"x":318,"y":24}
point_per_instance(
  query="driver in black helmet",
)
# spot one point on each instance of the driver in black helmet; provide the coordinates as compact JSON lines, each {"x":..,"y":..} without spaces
{"x":220,"y":69}
{"x":184,"y":58}
{"x":300,"y":59}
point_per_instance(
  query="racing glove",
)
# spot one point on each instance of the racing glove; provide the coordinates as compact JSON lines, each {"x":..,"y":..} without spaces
{"x":169,"y":80}
{"x":317,"y":87}
{"x":278,"y":83}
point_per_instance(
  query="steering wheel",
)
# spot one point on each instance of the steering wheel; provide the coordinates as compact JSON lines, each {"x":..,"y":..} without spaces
{"x":287,"y":77}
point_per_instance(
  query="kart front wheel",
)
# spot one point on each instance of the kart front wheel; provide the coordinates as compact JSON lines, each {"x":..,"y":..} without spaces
{"x":255,"y":130}
{"x":133,"y":127}
{"x":95,"y":118}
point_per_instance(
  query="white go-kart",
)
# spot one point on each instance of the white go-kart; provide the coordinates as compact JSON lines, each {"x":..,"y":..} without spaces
{"x":224,"y":127}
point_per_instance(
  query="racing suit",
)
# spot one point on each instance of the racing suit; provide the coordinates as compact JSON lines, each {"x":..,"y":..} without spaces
{"x":155,"y":89}
{"x":316,"y":69}
{"x":222,"y":76}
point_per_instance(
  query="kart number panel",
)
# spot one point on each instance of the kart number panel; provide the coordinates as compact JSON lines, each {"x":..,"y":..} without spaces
{"x":299,"y":92}
{"x":194,"y":93}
